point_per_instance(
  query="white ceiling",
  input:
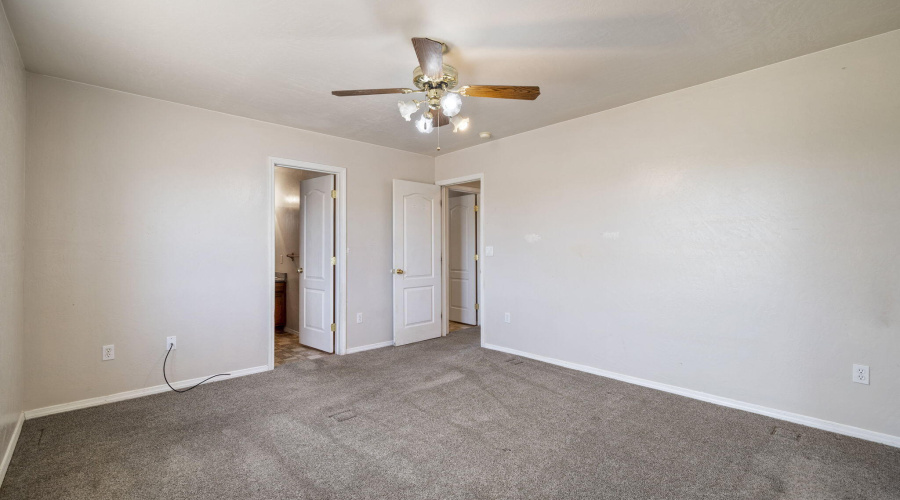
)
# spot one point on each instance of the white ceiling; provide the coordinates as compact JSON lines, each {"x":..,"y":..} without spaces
{"x":278,"y":60}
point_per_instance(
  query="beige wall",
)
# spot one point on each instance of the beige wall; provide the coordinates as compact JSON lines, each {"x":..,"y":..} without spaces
{"x":739,"y":238}
{"x":287,"y":236}
{"x":12,"y":257}
{"x":147,"y":219}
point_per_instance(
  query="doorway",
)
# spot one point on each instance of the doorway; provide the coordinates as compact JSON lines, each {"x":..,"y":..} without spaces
{"x":462,"y":255}
{"x":307,"y":249}
{"x":438,"y":276}
{"x":458,"y":247}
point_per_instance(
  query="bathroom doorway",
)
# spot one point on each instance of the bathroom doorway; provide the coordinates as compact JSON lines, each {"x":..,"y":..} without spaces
{"x":307,"y":272}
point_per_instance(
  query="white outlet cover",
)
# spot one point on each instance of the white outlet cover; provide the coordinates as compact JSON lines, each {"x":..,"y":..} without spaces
{"x":489,"y":251}
{"x":109,"y":352}
{"x":171,"y":340}
{"x":507,"y":318}
{"x":861,"y":374}
{"x":359,"y":317}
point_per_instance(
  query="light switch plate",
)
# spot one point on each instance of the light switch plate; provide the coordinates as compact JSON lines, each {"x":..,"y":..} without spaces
{"x":489,"y":251}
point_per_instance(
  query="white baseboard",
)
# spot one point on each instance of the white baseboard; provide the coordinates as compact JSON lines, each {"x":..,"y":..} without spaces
{"x":291,"y":331}
{"x":7,"y":456}
{"x":370,"y":346}
{"x":825,"y":425}
{"x":122,"y":396}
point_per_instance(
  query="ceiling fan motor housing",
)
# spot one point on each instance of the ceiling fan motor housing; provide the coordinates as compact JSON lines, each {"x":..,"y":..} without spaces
{"x":434,"y":89}
{"x":448,"y":81}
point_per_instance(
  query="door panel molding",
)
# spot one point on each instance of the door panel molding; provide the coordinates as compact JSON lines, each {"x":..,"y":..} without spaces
{"x":417,"y":261}
{"x":316,"y":250}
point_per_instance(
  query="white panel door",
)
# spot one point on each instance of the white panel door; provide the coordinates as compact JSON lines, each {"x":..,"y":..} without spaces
{"x":417,"y":262}
{"x":316,"y":251}
{"x":462,"y":260}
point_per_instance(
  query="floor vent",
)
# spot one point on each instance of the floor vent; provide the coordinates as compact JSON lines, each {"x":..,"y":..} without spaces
{"x":343,"y":415}
{"x":781,"y":432}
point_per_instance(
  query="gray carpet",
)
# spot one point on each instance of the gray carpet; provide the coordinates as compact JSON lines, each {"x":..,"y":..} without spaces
{"x":441,"y":419}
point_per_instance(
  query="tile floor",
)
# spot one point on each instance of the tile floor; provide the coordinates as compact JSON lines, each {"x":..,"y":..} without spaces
{"x":288,"y":348}
{"x":454,"y":326}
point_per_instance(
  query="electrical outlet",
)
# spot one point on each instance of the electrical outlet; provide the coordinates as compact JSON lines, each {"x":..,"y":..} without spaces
{"x":109,"y":352}
{"x":170,"y":343}
{"x":489,"y":251}
{"x":861,"y":374}
{"x":507,"y":318}
{"x":359,"y":317}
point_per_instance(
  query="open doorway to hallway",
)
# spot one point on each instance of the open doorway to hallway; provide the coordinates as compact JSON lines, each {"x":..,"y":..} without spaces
{"x":436,"y":268}
{"x":304,"y":217}
{"x":462,"y":256}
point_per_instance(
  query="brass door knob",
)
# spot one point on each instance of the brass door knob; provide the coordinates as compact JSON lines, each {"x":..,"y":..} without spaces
{"x":398,"y":271}
{"x":300,"y":270}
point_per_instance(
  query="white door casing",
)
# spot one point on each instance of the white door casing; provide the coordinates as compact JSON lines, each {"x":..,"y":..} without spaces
{"x":316,"y":252}
{"x":417,"y":262}
{"x":462,"y":259}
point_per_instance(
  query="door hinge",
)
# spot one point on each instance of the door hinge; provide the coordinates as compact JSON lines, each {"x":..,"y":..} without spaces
{"x":476,"y":208}
{"x":334,"y":193}
{"x":333,"y":327}
{"x":333,"y":261}
{"x":476,"y":256}
{"x":476,"y":307}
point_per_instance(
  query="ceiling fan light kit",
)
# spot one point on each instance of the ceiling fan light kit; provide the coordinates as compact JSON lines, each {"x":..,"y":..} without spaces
{"x":407,"y":108}
{"x":459,"y":123}
{"x":424,"y":124}
{"x":451,"y":104}
{"x":437,"y":80}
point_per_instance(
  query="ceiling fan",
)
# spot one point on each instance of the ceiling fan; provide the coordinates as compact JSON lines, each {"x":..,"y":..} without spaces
{"x":438,"y":80}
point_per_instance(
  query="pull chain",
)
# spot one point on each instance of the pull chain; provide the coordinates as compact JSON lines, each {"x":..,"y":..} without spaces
{"x":438,"y":120}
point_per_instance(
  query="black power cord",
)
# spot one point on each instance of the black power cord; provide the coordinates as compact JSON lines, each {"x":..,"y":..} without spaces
{"x":189,"y":388}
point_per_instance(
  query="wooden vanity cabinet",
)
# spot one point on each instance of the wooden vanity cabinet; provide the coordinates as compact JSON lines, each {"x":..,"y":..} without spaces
{"x":280,"y":305}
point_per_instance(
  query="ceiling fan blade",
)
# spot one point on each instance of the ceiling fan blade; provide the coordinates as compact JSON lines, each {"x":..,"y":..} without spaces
{"x":501,"y":91}
{"x":345,"y":93}
{"x":439,"y":119}
{"x":431,"y":57}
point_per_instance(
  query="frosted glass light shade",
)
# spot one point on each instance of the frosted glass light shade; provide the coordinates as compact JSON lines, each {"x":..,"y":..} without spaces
{"x":407,"y":108}
{"x":451,"y":104}
{"x":459,"y":123}
{"x":424,"y":125}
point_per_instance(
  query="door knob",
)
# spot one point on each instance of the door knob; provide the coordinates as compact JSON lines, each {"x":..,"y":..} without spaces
{"x":398,"y":271}
{"x":300,"y":270}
